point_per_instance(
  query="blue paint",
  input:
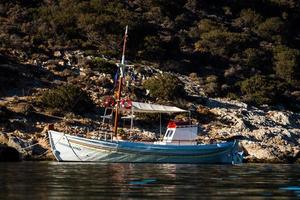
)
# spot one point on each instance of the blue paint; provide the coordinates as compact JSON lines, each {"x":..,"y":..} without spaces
{"x":142,"y":182}
{"x":292,"y":188}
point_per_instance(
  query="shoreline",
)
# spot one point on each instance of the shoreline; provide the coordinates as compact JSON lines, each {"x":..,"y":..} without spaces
{"x":267,"y":134}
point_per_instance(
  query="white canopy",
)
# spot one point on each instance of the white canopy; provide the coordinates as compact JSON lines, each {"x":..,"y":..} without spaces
{"x":138,"y":107}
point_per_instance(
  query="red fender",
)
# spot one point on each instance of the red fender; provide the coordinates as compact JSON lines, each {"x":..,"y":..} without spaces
{"x":127,"y":104}
{"x":109,"y":102}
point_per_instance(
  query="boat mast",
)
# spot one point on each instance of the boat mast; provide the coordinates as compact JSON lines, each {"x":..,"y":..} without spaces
{"x":121,"y":66}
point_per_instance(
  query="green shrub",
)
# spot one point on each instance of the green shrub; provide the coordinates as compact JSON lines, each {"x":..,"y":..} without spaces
{"x":232,"y":96}
{"x":262,"y":89}
{"x":103,"y":66}
{"x":248,"y":18}
{"x":257,"y":59}
{"x":165,"y":86}
{"x":212,"y":86}
{"x":67,"y":99}
{"x":152,"y":48}
{"x":207,"y":25}
{"x":221,"y":43}
{"x":271,"y":29}
{"x":287,"y":63}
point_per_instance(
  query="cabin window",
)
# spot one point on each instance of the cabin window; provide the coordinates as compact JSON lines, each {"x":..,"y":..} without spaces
{"x":169,"y":133}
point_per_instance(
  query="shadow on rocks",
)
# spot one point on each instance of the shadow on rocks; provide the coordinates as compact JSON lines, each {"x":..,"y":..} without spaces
{"x":8,"y":154}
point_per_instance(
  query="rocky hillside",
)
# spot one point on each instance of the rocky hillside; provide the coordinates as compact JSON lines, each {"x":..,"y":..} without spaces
{"x":266,"y":134}
{"x":235,"y":64}
{"x":244,"y":50}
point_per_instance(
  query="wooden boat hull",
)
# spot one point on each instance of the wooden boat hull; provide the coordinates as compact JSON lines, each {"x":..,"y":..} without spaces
{"x":73,"y":148}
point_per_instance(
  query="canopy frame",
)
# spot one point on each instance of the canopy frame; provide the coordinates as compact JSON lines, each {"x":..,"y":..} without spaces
{"x":139,"y":107}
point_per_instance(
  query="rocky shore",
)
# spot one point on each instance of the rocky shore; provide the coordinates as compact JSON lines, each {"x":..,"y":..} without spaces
{"x":266,"y":134}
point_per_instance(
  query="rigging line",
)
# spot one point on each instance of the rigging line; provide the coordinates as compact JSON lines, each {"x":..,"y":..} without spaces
{"x":72,"y":148}
{"x":39,"y":156}
{"x":27,"y":147}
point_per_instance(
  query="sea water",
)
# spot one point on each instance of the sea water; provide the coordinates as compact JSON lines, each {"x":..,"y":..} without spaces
{"x":54,"y":180}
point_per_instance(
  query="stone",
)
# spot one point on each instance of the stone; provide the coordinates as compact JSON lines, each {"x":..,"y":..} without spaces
{"x":24,"y":108}
{"x":3,"y":138}
{"x":5,"y":114}
{"x":8,"y":154}
{"x":18,"y":144}
{"x":279,"y":117}
{"x":57,"y":54}
{"x":61,"y":63}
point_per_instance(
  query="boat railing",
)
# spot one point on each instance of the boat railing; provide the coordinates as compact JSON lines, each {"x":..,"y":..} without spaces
{"x":187,"y":126}
{"x":181,"y":142}
{"x":103,"y":134}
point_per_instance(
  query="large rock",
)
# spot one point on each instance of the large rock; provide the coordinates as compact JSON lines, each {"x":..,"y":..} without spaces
{"x":30,"y":149}
{"x":268,"y":135}
{"x":5,"y":114}
{"x":3,"y":138}
{"x":281,"y":118}
{"x":19,"y":144}
{"x":57,"y":54}
{"x":8,"y":154}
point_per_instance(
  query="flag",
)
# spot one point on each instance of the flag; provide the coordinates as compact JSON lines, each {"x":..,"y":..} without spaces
{"x":116,"y":78}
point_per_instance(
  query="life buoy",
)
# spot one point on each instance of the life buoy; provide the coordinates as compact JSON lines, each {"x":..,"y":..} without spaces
{"x":126,"y":103}
{"x":109,"y":102}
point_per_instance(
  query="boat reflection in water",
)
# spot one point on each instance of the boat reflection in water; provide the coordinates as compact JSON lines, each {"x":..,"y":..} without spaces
{"x":88,"y":180}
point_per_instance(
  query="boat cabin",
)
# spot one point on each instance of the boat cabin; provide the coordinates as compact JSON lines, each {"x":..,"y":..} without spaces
{"x":180,"y":133}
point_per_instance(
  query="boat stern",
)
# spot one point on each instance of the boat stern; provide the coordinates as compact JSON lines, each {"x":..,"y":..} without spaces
{"x":236,"y":153}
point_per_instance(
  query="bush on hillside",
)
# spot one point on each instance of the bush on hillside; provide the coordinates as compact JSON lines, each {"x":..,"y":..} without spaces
{"x":221,"y":43}
{"x":212,"y":86}
{"x":165,"y":86}
{"x":287,"y":63}
{"x":248,"y":19}
{"x":257,"y":59}
{"x":67,"y":99}
{"x":261,"y":89}
{"x":207,"y":25}
{"x":271,"y":29}
{"x":103,"y":66}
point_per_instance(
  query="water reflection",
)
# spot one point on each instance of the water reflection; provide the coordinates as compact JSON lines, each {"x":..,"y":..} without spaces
{"x":53,"y":180}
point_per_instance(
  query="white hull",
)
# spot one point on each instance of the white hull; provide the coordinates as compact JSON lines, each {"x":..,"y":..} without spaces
{"x":73,"y":148}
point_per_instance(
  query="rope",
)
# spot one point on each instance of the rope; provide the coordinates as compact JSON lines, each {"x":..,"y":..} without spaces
{"x":39,"y":156}
{"x":73,"y":149}
{"x":27,"y":147}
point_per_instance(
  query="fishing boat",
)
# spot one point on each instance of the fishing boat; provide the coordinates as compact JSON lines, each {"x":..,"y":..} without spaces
{"x":178,"y":145}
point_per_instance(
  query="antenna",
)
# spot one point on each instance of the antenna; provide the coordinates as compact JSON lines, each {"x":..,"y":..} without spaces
{"x":124,"y":46}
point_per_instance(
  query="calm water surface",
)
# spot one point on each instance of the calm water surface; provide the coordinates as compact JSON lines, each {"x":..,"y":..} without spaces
{"x":53,"y":180}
